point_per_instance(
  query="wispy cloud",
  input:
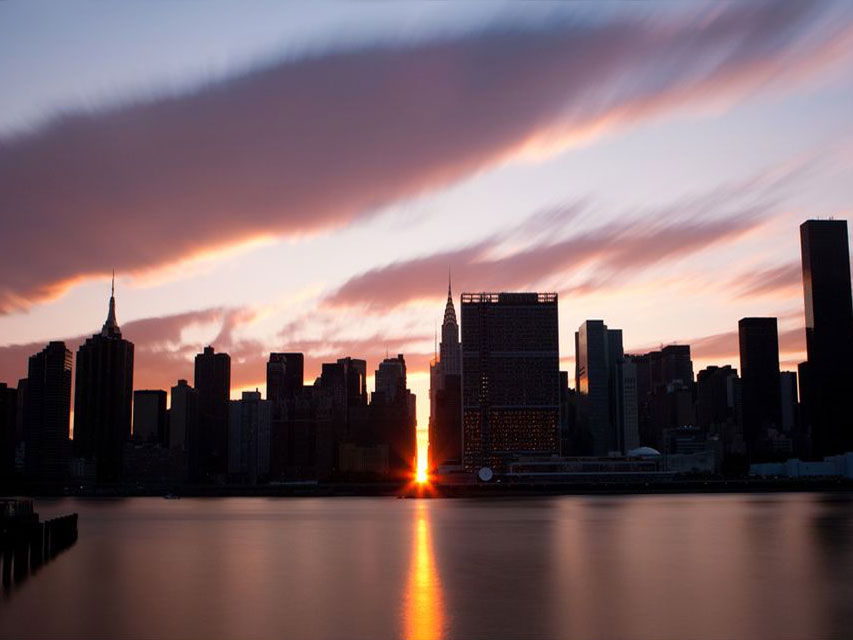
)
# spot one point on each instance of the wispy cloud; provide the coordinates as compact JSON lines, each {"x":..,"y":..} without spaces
{"x":723,"y":348}
{"x":161,"y":354}
{"x":781,"y":280}
{"x":610,"y":252}
{"x":308,"y":145}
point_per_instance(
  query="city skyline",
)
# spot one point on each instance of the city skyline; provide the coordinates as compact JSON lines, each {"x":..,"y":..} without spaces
{"x":509,"y":399}
{"x":683,"y":184}
{"x":111,"y":334}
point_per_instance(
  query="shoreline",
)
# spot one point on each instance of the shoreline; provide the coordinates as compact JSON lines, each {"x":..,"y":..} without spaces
{"x":437,"y":490}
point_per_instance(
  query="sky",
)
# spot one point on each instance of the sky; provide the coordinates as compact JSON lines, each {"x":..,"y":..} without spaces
{"x":268,"y":176}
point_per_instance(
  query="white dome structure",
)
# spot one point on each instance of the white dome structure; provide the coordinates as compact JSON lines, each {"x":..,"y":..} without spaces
{"x":644,"y":452}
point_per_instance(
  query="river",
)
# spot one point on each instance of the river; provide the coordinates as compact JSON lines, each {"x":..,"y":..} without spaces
{"x":772,"y":566}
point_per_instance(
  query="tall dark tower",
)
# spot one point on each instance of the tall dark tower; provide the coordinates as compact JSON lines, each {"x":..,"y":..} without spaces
{"x":103,"y":397}
{"x":213,"y":385}
{"x":47,"y":407}
{"x":759,"y":366}
{"x":285,"y":382}
{"x":829,"y":335}
{"x":445,"y":426}
{"x":510,"y":377}
{"x":449,"y":350}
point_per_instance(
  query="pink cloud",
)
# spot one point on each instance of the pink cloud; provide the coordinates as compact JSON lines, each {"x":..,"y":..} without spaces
{"x":615,"y":250}
{"x":311,"y":144}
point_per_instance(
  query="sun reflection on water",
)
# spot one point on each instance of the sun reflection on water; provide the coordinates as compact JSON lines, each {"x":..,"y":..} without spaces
{"x":423,"y":615}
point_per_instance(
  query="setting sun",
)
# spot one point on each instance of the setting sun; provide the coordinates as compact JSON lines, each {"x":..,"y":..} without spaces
{"x":421,"y":472}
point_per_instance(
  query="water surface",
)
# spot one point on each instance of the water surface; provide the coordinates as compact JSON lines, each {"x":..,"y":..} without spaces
{"x":658,"y":567}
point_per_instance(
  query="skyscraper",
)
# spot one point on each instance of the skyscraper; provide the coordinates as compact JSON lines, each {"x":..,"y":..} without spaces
{"x":510,"y":377}
{"x":790,"y":405}
{"x":47,"y":407}
{"x":183,"y":417}
{"x":449,"y":350}
{"x":390,"y":377}
{"x":103,"y":398}
{"x":828,"y":381}
{"x":445,"y":426}
{"x":392,"y":416}
{"x":719,"y":409}
{"x":607,"y":389}
{"x":213,"y":385}
{"x":249,"y":438}
{"x":759,"y":366}
{"x":285,"y":383}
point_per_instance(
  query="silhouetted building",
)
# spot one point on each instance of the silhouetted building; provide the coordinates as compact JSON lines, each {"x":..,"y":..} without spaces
{"x":47,"y":407}
{"x":183,"y":427}
{"x":759,"y":366}
{"x":213,"y":385}
{"x":8,"y":432}
{"x":337,"y":408}
{"x":664,"y":388}
{"x":390,"y":378}
{"x":719,"y":409}
{"x":445,"y":427}
{"x":285,"y":376}
{"x":790,"y":404}
{"x":103,"y":398}
{"x":392,"y":417}
{"x":829,"y":335}
{"x":450,"y":350}
{"x":446,"y":436}
{"x":607,"y":390}
{"x":149,"y":416}
{"x":569,"y":443}
{"x":285,"y":389}
{"x":510,"y":377}
{"x":249,"y":438}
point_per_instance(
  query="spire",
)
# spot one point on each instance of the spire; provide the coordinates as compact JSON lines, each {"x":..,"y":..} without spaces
{"x":449,"y":310}
{"x":111,"y":328}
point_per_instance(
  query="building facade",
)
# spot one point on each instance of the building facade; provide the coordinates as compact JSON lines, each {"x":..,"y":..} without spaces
{"x":510,"y":377}
{"x":213,"y":385}
{"x":607,"y":390}
{"x":249,"y":438}
{"x":47,"y":408}
{"x":827,"y":382}
{"x":762,"y":401}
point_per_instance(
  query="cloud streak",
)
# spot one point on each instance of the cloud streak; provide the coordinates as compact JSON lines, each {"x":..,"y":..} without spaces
{"x":162,"y":355}
{"x":307,"y":145}
{"x":723,"y":348}
{"x":611,"y":251}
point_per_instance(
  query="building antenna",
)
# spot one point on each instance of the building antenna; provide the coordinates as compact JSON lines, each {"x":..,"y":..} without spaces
{"x":113,"y":289}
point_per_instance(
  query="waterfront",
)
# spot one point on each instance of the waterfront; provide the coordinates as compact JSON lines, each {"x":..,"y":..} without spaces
{"x":661,"y":566}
